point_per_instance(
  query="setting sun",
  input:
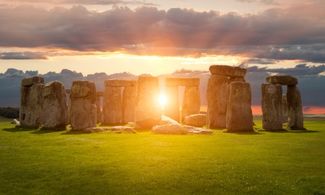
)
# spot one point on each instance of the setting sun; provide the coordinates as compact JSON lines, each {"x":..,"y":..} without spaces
{"x":162,"y":100}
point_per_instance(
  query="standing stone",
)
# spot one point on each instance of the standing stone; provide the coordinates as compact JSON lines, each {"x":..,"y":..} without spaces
{"x":83,"y":110}
{"x":239,"y":112}
{"x":217,"y":97}
{"x":272,"y":107}
{"x":129,"y":102}
{"x":191,"y":101}
{"x":31,"y":102}
{"x":55,"y":107}
{"x":147,"y":108}
{"x":172,"y":108}
{"x":113,"y":105}
{"x":295,"y":113}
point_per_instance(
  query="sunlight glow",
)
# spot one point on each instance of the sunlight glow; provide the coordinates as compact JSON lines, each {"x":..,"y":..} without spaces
{"x":162,"y":100}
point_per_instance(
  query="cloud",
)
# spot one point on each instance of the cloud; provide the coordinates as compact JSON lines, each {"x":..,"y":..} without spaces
{"x":22,"y":56}
{"x":82,"y":2}
{"x":276,"y":34}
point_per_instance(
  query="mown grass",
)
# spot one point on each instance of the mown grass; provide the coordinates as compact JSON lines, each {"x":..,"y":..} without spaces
{"x":45,"y":162}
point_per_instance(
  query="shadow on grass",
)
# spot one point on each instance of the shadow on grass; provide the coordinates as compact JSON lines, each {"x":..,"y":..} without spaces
{"x":46,"y":131}
{"x":18,"y":129}
{"x":289,"y":131}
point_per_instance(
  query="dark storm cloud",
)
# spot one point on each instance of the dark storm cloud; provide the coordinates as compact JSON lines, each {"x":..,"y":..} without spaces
{"x":274,"y":34}
{"x":22,"y":56}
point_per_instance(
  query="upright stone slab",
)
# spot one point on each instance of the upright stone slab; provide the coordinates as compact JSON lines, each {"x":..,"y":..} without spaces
{"x":129,"y":103}
{"x":83,"y":112}
{"x":239,"y":112}
{"x":31,"y":102}
{"x":272,"y":107}
{"x":113,"y":107}
{"x":55,"y":107}
{"x":172,"y":108}
{"x":191,"y":101}
{"x":295,"y":112}
{"x":147,"y":108}
{"x":217,"y":97}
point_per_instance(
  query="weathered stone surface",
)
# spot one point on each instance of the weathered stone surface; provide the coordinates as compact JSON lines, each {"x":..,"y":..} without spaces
{"x":113,"y":106}
{"x":27,"y":82}
{"x":187,"y":82}
{"x":172,"y":108}
{"x":191,"y":101}
{"x":196,"y":120}
{"x":170,"y":129}
{"x":295,"y":113}
{"x":196,"y":130}
{"x":217,"y":97}
{"x":54,"y":108}
{"x":129,"y":103}
{"x":272,"y":107}
{"x":83,"y":111}
{"x":282,"y":80}
{"x":147,"y":108}
{"x":227,"y":71}
{"x":31,"y":102}
{"x":167,"y":120}
{"x":239,"y":112}
{"x":120,"y":83}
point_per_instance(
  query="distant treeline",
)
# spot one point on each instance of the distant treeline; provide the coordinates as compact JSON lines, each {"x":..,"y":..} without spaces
{"x":9,"y":112}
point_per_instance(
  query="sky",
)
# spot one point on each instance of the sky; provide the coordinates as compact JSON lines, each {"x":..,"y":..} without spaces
{"x":159,"y":36}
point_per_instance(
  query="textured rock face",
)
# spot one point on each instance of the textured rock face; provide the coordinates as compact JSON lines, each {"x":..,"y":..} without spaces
{"x":172,"y":108}
{"x":129,"y":102}
{"x":272,"y":107}
{"x":31,"y":102}
{"x":191,"y":101}
{"x":196,"y":120}
{"x":239,"y":113}
{"x":54,"y":108}
{"x":83,"y":112}
{"x":113,"y":106}
{"x":282,"y":80}
{"x":170,"y":129}
{"x":187,"y":82}
{"x":147,"y":108}
{"x":295,"y":113}
{"x":217,"y":96}
{"x":227,"y":71}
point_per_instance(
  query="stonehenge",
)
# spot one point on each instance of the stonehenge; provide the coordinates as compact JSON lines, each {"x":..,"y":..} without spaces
{"x":276,"y":106}
{"x":83,"y":111}
{"x":51,"y":106}
{"x":229,"y":99}
{"x":119,"y":101}
{"x":191,"y":99}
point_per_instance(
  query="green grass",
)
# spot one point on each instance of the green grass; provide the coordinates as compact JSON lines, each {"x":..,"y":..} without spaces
{"x":38,"y":162}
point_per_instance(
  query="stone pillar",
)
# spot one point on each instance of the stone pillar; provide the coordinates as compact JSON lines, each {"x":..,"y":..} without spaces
{"x":295,"y":113}
{"x":112,"y":105}
{"x":54,"y":107}
{"x":239,"y":112}
{"x":272,"y":107}
{"x":191,"y":101}
{"x":217,"y":97}
{"x":129,"y":102}
{"x":31,"y":102}
{"x":172,"y":107}
{"x":83,"y":112}
{"x":99,"y":98}
{"x":147,"y":108}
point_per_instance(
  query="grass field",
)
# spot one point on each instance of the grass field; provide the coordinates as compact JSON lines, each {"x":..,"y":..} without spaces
{"x":44,"y":162}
